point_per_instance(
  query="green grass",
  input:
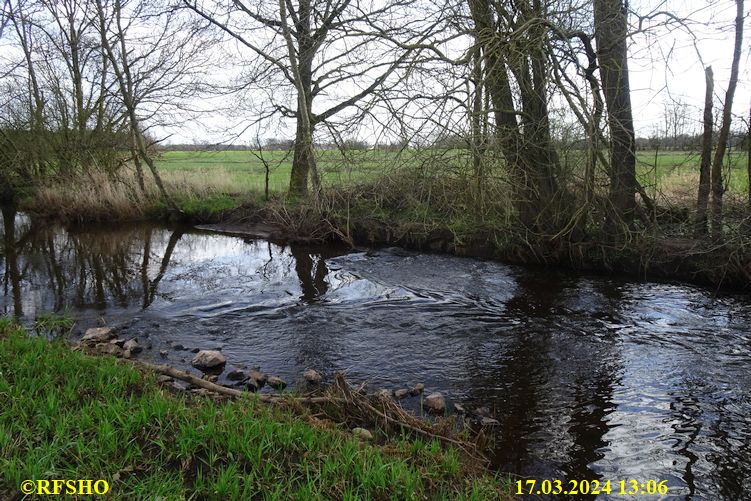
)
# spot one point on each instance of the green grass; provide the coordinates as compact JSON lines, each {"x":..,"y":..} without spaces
{"x":52,"y":324}
{"x":247,"y":173}
{"x":675,"y":171}
{"x":679,"y":171}
{"x":66,"y":415}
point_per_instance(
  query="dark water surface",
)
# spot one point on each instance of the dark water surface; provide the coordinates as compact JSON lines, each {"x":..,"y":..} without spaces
{"x":589,"y":377}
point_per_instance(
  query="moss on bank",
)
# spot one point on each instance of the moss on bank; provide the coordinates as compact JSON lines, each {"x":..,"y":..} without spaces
{"x":66,"y":415}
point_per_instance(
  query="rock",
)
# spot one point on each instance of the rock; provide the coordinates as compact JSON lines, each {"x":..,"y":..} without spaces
{"x":195,"y":350}
{"x":163,"y":353}
{"x":109,"y":349}
{"x":119,"y":342}
{"x":435,"y":403}
{"x":486,"y":421}
{"x":312,"y":376}
{"x":97,"y":335}
{"x":252,"y":385}
{"x":212,"y":379}
{"x":401,"y":393}
{"x":459,"y":409}
{"x":276,"y":382}
{"x":178,"y":346}
{"x":259,"y":377}
{"x":384,"y":393}
{"x":362,"y":434}
{"x":133,"y":346}
{"x":163,"y":379}
{"x":482,"y":411}
{"x":419,"y":388}
{"x":179,"y":385}
{"x":208,"y":359}
{"x":128,"y":354}
{"x":236,"y":375}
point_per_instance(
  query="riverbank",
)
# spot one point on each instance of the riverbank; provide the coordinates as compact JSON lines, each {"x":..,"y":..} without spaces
{"x":72,"y":416}
{"x":426,"y":214}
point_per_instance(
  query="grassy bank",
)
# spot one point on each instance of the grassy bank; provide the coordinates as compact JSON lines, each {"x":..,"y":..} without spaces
{"x":66,"y":415}
{"x":430,"y":200}
{"x":207,"y":184}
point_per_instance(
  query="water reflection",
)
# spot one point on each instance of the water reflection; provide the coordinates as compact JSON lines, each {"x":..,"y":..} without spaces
{"x":589,"y":377}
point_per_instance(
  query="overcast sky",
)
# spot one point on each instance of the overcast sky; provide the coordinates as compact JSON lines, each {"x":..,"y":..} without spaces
{"x":666,"y":66}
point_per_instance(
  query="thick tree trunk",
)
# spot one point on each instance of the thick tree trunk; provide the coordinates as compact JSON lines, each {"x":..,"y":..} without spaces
{"x":303,"y":160}
{"x":706,"y":156}
{"x":301,"y":63}
{"x":527,"y":147}
{"x":610,"y":35}
{"x":722,"y":140}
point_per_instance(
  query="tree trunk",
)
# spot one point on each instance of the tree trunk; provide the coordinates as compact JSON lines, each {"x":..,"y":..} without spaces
{"x":706,"y":155}
{"x":611,"y":32}
{"x":137,"y":162}
{"x":475,"y":124}
{"x":301,"y":63}
{"x":303,"y":160}
{"x":722,"y":141}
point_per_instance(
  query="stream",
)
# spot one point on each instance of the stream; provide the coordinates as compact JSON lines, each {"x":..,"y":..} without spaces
{"x":589,"y":377}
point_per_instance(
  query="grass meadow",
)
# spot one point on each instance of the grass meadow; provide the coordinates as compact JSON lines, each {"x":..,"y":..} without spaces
{"x":206,"y":183}
{"x":669,"y":172}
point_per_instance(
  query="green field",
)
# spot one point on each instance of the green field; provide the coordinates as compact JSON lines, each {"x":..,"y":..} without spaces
{"x":678,"y":172}
{"x":241,"y":172}
{"x":246,"y":172}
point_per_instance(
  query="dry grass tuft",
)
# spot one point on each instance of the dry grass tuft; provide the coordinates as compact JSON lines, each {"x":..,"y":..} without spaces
{"x":99,"y":196}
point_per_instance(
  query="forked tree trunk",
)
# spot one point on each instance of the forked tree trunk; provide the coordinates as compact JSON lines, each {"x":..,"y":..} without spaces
{"x":706,"y":156}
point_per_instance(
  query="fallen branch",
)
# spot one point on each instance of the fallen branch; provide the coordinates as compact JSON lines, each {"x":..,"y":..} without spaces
{"x":208,"y":385}
{"x":347,"y":400}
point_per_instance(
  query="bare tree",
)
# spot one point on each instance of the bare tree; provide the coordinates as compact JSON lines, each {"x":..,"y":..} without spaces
{"x":336,"y":52}
{"x":154,"y":73}
{"x":722,"y":139}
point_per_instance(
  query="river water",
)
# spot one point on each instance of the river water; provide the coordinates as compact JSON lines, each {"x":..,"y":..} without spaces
{"x":590,"y":377}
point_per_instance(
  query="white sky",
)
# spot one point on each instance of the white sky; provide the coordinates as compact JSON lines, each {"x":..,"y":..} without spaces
{"x":665,"y":66}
